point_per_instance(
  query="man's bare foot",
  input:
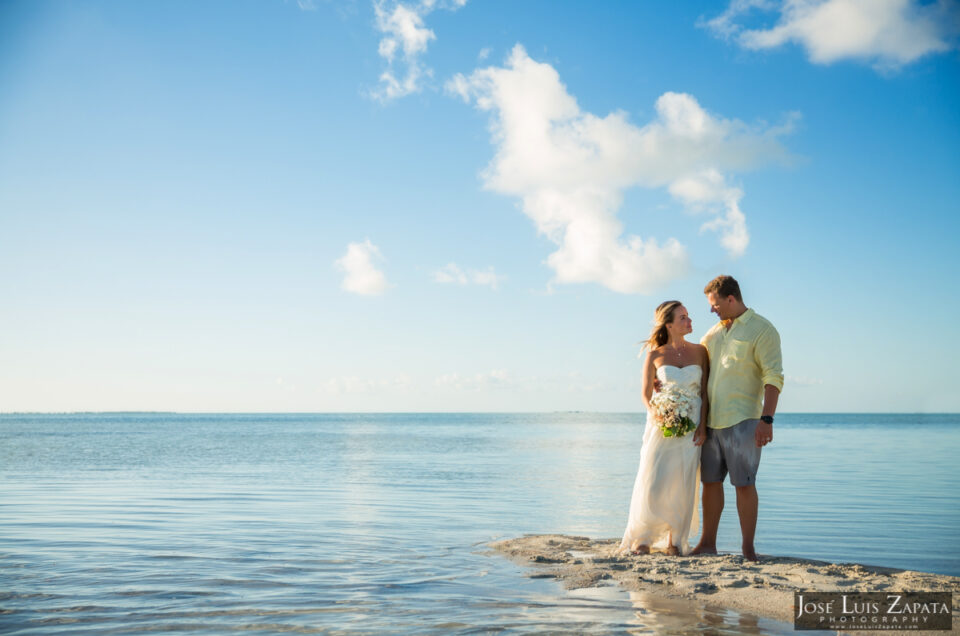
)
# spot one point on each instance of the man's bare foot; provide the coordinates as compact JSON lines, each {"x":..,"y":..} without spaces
{"x":749,"y":554}
{"x":704,"y":549}
{"x":641,"y":549}
{"x":673,"y":550}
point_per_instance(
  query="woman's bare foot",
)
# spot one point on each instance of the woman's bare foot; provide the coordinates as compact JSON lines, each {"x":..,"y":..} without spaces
{"x":704,"y":549}
{"x":750,"y":554}
{"x":641,"y":549}
{"x":673,"y":550}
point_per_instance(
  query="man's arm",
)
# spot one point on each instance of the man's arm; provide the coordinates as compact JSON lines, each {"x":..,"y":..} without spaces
{"x":770,"y":361}
{"x":771,"y":395}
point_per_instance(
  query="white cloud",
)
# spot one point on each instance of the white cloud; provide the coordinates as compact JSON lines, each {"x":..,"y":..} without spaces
{"x":484,"y":53}
{"x":569,"y":169}
{"x":285,"y":386}
{"x":501,"y":379}
{"x":803,"y":381}
{"x":888,"y":33}
{"x":708,"y":190}
{"x":486,"y":277}
{"x":478,"y":382}
{"x":725,"y":24}
{"x":405,"y":40}
{"x":451,"y":273}
{"x":361,"y":276}
{"x":353,"y":384}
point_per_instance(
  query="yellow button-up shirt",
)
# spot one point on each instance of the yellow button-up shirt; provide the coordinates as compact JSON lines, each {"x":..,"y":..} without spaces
{"x":743,"y":359}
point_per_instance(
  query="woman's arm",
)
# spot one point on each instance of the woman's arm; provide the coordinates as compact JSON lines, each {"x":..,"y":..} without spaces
{"x":700,"y":436}
{"x":649,"y":375}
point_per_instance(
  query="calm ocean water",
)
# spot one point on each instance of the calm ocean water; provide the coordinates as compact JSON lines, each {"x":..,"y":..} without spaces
{"x":124,"y":523}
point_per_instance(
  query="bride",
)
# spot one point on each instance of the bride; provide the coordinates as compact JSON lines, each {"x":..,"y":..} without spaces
{"x":663,"y":509}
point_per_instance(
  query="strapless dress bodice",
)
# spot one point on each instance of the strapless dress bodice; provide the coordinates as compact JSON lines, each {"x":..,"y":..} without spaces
{"x":688,"y":377}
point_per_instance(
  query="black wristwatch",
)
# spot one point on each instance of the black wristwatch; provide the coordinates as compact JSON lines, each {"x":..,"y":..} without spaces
{"x":766,"y":418}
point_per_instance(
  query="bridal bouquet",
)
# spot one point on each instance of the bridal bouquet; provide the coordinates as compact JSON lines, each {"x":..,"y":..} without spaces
{"x":672,"y":408}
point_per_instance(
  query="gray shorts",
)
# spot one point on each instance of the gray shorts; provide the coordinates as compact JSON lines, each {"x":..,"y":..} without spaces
{"x":734,"y":449}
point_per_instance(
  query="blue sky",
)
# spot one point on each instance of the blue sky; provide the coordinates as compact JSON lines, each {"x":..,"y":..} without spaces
{"x":225,"y":206}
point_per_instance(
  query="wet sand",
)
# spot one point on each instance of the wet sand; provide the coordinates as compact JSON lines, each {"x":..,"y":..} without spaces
{"x":763,"y":589}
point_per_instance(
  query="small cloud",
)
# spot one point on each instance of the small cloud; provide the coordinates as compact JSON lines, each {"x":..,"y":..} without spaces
{"x":484,"y":53}
{"x":888,"y":33}
{"x":451,"y":273}
{"x":360,"y":274}
{"x":405,"y":40}
{"x":478,"y":382}
{"x":708,"y":190}
{"x":458,"y":85}
{"x":283,"y":385}
{"x":501,"y":379}
{"x":355,"y":385}
{"x":487,"y":277}
{"x":725,"y":26}
{"x":803,"y":381}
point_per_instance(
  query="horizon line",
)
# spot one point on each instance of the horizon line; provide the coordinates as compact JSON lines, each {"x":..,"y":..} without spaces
{"x":123,"y":412}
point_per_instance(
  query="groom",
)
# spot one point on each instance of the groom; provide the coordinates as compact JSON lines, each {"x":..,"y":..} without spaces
{"x":746,"y":376}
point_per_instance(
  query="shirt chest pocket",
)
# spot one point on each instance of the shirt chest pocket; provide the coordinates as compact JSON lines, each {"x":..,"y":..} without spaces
{"x":736,"y":352}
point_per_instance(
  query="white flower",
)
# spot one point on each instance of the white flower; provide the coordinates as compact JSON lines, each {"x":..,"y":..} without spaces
{"x":672,"y":407}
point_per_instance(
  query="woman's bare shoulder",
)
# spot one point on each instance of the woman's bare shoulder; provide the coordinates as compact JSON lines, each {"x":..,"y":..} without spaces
{"x":654,"y":353}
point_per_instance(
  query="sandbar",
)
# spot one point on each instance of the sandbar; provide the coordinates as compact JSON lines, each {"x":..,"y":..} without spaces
{"x":764,"y":589}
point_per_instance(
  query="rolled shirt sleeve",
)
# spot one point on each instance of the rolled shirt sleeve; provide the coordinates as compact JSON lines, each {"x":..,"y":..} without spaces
{"x":768,"y":357}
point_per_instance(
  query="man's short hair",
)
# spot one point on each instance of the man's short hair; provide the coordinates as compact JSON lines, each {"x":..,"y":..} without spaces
{"x":724,"y":286}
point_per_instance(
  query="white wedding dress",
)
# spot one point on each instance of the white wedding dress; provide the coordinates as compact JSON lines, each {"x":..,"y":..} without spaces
{"x":665,"y":492}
